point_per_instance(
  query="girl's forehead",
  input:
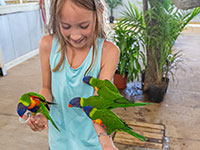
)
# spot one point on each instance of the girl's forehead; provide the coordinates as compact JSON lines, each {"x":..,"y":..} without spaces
{"x":72,"y":12}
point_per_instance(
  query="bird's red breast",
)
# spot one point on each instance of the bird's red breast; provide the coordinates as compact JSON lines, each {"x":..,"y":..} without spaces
{"x":34,"y":102}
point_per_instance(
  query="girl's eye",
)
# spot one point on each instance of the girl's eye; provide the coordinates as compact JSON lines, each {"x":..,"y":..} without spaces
{"x":85,"y":26}
{"x":66,"y":27}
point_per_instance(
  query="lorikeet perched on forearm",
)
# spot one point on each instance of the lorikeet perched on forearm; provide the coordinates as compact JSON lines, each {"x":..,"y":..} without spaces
{"x":109,"y":96}
{"x":35,"y":103}
{"x":101,"y":84}
{"x":111,"y":121}
{"x":102,"y":103}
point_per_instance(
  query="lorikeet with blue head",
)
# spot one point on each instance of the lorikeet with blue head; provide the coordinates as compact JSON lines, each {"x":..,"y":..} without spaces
{"x":100,"y":85}
{"x":111,"y":121}
{"x":35,"y":103}
{"x":102,"y":103}
{"x":108,"y":94}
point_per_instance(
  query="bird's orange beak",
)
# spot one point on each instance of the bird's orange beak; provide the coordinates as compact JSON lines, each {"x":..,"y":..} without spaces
{"x":83,"y":109}
{"x":70,"y":105}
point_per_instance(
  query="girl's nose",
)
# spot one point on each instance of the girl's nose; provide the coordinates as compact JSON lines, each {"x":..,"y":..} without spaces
{"x":75,"y":37}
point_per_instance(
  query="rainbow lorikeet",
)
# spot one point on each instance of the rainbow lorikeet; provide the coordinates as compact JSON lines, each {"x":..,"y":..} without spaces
{"x":35,"y":103}
{"x":102,"y":103}
{"x":111,"y":121}
{"x":108,"y":91}
{"x":105,"y":89}
{"x":101,"y":85}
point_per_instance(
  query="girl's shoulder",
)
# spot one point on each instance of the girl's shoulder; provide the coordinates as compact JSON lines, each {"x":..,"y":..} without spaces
{"x":110,"y":49}
{"x":110,"y":53}
{"x":46,"y":44}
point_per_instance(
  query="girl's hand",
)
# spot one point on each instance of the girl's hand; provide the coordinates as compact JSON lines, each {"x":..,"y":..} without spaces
{"x":105,"y":141}
{"x":38,"y":122}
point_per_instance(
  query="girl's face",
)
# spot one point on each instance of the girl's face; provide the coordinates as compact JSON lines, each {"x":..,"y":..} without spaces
{"x":77,"y":25}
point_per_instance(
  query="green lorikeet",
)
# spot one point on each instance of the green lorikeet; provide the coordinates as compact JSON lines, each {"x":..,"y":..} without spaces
{"x":35,"y":103}
{"x":111,"y":121}
{"x":102,"y":103}
{"x":108,"y":91}
{"x":100,"y":84}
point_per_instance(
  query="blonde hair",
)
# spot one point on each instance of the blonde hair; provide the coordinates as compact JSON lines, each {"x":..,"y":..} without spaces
{"x":101,"y":29}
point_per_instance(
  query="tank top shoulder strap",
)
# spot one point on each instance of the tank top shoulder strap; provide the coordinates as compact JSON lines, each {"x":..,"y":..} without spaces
{"x":54,"y":49}
{"x":100,"y":42}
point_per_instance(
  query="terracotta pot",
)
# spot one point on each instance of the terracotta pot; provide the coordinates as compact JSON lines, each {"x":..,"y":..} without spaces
{"x":120,"y":81}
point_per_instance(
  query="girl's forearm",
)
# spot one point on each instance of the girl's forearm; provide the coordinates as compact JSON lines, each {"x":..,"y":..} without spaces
{"x":46,"y":92}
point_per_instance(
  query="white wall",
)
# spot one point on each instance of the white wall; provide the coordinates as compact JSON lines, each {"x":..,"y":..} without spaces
{"x":1,"y":59}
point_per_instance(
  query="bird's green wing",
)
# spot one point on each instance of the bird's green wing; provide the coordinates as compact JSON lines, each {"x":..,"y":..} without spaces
{"x":95,"y":101}
{"x":94,"y":82}
{"x":111,"y":86}
{"x":45,"y":112}
{"x":109,"y":119}
{"x":104,"y":84}
{"x":123,"y":102}
{"x":107,"y":94}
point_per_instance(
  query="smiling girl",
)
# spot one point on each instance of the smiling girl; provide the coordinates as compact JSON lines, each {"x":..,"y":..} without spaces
{"x":76,"y":46}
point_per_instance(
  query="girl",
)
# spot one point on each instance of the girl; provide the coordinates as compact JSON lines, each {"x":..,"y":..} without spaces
{"x":76,"y":47}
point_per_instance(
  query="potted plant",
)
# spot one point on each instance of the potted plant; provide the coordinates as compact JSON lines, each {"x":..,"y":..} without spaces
{"x":129,"y":62}
{"x":112,"y":5}
{"x":163,"y":24}
{"x":133,"y":19}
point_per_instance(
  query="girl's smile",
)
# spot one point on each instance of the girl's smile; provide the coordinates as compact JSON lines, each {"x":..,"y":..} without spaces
{"x":78,"y":41}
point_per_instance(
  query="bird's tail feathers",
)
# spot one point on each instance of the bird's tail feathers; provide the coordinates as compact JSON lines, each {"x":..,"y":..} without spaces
{"x":139,"y":104}
{"x":138,"y":136}
{"x":129,"y":128}
{"x":54,"y":124}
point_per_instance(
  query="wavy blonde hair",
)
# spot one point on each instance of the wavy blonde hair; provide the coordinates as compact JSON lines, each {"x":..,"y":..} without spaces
{"x":101,"y":28}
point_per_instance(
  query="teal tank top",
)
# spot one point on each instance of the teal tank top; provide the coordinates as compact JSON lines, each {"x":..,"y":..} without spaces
{"x":76,"y":129}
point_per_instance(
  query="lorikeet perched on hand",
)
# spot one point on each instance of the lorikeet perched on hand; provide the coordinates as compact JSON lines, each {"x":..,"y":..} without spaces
{"x":35,"y":103}
{"x":102,"y":103}
{"x":111,"y":121}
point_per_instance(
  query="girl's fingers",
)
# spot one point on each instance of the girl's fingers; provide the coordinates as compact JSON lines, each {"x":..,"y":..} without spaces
{"x":41,"y":120}
{"x":46,"y":126}
{"x":31,"y":125}
{"x":34,"y":126}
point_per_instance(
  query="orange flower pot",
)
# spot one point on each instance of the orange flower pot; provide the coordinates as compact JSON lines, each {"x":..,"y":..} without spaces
{"x":120,"y":81}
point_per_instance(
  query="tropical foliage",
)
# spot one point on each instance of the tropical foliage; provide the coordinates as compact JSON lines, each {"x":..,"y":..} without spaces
{"x":130,"y":54}
{"x":157,"y":29}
